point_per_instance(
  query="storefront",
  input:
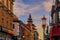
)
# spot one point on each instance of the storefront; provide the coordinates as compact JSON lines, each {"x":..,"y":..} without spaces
{"x":5,"y":34}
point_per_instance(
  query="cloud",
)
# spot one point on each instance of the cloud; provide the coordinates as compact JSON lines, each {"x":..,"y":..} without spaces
{"x":34,"y":8}
{"x":35,"y":17}
{"x":47,"y":5}
{"x":19,"y":12}
{"x":19,"y":8}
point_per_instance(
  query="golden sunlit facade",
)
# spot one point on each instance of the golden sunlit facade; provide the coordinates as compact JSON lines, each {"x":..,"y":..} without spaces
{"x":6,"y":19}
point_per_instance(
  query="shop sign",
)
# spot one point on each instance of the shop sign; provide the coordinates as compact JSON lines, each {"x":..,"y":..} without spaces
{"x":4,"y":30}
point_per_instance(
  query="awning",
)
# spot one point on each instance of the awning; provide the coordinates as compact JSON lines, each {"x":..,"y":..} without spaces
{"x":11,"y":32}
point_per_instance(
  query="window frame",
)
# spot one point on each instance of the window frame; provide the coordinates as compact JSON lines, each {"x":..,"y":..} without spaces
{"x":54,"y":20}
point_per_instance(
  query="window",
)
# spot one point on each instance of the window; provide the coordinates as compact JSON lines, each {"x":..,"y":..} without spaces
{"x":11,"y":7}
{"x":7,"y":3}
{"x":13,"y":26}
{"x":7,"y":22}
{"x":54,"y":18}
{"x":3,"y":21}
{"x":3,"y":1}
{"x":59,"y":16}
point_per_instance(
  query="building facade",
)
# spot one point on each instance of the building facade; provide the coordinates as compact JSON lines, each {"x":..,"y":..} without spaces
{"x":36,"y":35}
{"x":55,"y":15}
{"x":6,"y":19}
{"x":28,"y":29}
{"x":16,"y":27}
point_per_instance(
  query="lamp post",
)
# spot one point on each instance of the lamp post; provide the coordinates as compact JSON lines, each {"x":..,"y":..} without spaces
{"x":43,"y":26}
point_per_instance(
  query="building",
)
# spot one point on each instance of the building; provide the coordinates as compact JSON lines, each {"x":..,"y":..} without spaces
{"x":55,"y":15}
{"x":6,"y":19}
{"x":45,"y":29}
{"x":27,"y":29}
{"x":25,"y":32}
{"x":47,"y":36}
{"x":16,"y":27}
{"x":44,"y":26}
{"x":31,"y":27}
{"x":21,"y":32}
{"x":36,"y":35}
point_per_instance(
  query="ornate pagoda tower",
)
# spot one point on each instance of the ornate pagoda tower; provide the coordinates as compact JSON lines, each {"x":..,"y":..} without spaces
{"x":30,"y":21}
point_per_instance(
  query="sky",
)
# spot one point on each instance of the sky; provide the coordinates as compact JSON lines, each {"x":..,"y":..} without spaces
{"x":37,"y":8}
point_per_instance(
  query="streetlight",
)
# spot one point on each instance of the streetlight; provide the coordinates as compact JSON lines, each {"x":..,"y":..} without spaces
{"x":43,"y":26}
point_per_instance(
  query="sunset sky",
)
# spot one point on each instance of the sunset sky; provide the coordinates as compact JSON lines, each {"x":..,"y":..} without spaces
{"x":37,"y":8}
